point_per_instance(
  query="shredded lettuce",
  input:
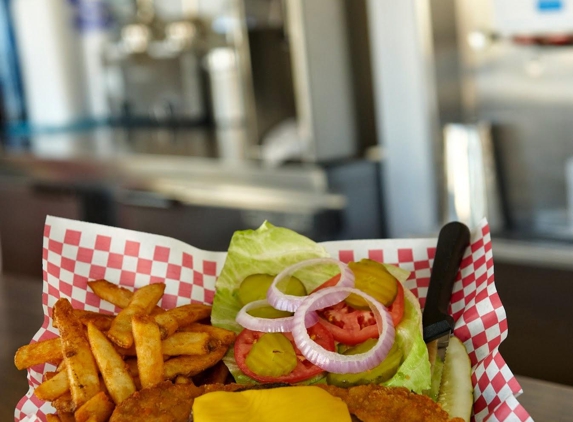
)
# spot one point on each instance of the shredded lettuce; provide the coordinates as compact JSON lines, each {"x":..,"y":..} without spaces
{"x":269,"y":250}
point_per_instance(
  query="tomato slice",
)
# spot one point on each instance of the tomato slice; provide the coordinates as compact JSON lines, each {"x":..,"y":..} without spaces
{"x":354,"y":326}
{"x":304,"y":369}
{"x":397,"y":307}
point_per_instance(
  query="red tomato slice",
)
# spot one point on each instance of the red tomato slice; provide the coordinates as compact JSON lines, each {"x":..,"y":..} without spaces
{"x":348,"y":325}
{"x":397,"y":307}
{"x":304,"y":369}
{"x":354,"y":326}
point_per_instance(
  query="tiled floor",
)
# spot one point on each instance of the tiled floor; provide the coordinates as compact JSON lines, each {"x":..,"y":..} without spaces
{"x":20,"y":317}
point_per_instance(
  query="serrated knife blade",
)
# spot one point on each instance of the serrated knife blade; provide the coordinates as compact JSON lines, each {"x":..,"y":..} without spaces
{"x":437,"y":323}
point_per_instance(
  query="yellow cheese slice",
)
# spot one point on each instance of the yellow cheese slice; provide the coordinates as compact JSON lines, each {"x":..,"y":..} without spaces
{"x":284,"y":404}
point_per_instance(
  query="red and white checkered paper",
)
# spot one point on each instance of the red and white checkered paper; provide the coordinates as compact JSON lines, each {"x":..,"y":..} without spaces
{"x":76,"y":252}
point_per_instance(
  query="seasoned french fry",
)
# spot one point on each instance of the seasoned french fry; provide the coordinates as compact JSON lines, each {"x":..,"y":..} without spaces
{"x":101,"y":321}
{"x":167,"y":324}
{"x":67,"y":417}
{"x":134,"y":372}
{"x":192,"y":365}
{"x":137,"y":382}
{"x":142,"y":300}
{"x":181,"y":316}
{"x":118,"y":296}
{"x":217,"y":374}
{"x":113,"y":369}
{"x":100,"y":406}
{"x":226,"y":337}
{"x":80,"y":363}
{"x":61,"y":367}
{"x":53,"y":418}
{"x":38,"y":353}
{"x":53,"y":387}
{"x":186,"y":344}
{"x":148,"y":347}
{"x":180,"y":379}
{"x":132,"y":367}
{"x":64,"y":404}
{"x":129,"y":352}
{"x":156,"y":311}
{"x":49,"y":375}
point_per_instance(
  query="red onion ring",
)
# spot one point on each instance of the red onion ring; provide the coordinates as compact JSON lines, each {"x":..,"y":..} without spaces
{"x":335,"y":362}
{"x":269,"y":325}
{"x":290,"y":303}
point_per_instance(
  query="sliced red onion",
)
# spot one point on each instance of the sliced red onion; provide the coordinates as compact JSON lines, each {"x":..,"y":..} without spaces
{"x":269,"y":325}
{"x":335,"y":362}
{"x":290,"y":303}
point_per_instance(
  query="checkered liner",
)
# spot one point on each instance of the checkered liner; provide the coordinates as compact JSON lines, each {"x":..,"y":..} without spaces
{"x":76,"y":252}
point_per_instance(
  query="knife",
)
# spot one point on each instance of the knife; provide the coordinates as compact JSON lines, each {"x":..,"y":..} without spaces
{"x":437,"y":323}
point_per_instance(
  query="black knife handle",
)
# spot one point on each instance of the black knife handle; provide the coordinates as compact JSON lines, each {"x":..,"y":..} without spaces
{"x":453,"y":239}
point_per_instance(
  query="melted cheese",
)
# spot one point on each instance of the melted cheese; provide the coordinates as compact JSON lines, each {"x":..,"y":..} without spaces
{"x":285,"y":404}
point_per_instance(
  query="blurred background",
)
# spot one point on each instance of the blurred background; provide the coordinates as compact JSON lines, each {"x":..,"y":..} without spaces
{"x":340,"y":119}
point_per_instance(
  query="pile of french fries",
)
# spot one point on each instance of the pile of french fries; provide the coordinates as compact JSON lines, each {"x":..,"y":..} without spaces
{"x":103,"y":359}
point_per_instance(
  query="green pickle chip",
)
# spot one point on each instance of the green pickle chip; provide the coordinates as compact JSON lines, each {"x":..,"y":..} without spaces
{"x":272,"y":356}
{"x":383,"y":372}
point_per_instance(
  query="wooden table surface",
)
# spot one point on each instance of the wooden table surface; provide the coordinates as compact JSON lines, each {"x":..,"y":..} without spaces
{"x":21,"y":316}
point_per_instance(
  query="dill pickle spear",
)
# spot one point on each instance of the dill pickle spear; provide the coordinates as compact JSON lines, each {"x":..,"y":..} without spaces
{"x":272,"y":356}
{"x":372,"y":278}
{"x":456,"y":390}
{"x":254,"y":287}
{"x":381,"y":373}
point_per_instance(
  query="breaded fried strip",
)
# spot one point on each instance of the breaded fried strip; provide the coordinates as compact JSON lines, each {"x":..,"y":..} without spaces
{"x":165,"y":402}
{"x":373,"y":403}
{"x":80,"y":363}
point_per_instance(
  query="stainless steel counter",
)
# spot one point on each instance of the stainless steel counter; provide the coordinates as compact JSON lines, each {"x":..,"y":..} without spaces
{"x":178,"y":165}
{"x":537,"y":253}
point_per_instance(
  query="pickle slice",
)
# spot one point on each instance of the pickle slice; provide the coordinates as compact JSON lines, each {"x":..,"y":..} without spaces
{"x":377,"y":375}
{"x":254,"y":287}
{"x":456,"y":390}
{"x":272,"y":356}
{"x":372,"y":278}
{"x":269,"y":312}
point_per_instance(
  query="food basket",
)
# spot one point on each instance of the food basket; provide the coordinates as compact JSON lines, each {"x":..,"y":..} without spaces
{"x":75,"y":252}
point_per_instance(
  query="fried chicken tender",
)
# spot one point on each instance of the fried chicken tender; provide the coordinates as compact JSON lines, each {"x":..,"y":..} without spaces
{"x":167,"y":402}
{"x":366,"y":403}
{"x":374,"y":403}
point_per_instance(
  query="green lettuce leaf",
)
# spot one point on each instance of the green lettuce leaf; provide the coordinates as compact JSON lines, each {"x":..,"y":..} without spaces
{"x":269,"y":250}
{"x":414,"y":373}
